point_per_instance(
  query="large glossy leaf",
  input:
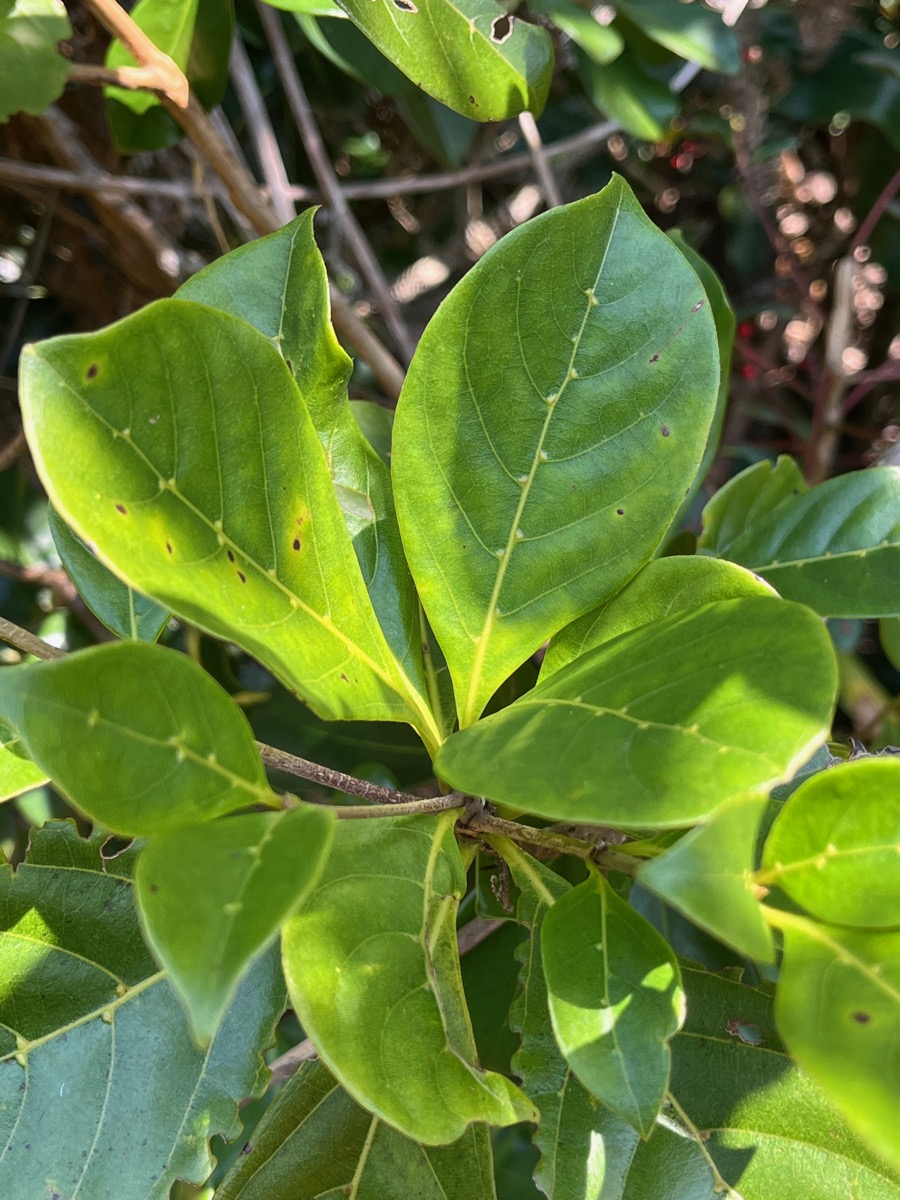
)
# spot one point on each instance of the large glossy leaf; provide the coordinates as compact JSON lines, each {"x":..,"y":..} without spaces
{"x":723,"y":315}
{"x":120,"y":608}
{"x":663,"y":587}
{"x":213,"y":896}
{"x":470,"y":54}
{"x":624,"y":91}
{"x":315,"y":1142}
{"x":835,"y":847}
{"x":835,"y":548}
{"x":373,"y":973}
{"x":208,"y":489}
{"x":615,"y":999}
{"x":278,"y":284}
{"x":17,"y":772}
{"x":32,"y":70}
{"x":138,"y":737}
{"x":572,"y":1122}
{"x":553,"y":417}
{"x":838,"y":1010}
{"x":708,"y":875}
{"x":662,"y":725}
{"x":102,"y":1091}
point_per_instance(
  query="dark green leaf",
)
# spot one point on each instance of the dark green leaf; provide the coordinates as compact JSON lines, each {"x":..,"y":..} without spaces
{"x":539,"y":459}
{"x":690,"y":30}
{"x":663,"y":587}
{"x":838,"y":1010}
{"x":123,"y":610}
{"x":636,"y":100}
{"x":470,"y":54}
{"x":32,"y":70}
{"x":600,"y":42}
{"x":373,"y":972}
{"x":615,"y":999}
{"x":835,"y":847}
{"x":102,"y":1091}
{"x":208,"y":489}
{"x":213,"y":896}
{"x":889,"y":630}
{"x":835,"y":548}
{"x":708,"y":875}
{"x":316,"y":1142}
{"x":138,"y":737}
{"x":664,"y":724}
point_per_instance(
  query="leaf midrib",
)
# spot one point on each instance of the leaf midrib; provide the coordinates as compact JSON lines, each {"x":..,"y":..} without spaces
{"x":470,"y":712}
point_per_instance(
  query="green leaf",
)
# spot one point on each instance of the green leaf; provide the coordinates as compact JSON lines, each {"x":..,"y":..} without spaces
{"x":615,"y":999}
{"x":18,"y":773}
{"x":208,"y":489}
{"x":723,"y":315}
{"x":373,"y":973}
{"x":835,"y":548}
{"x":196,"y":34}
{"x":708,"y":875}
{"x":665,"y":586}
{"x":838,"y":1010}
{"x":123,"y":610}
{"x":636,"y":100}
{"x":278,"y":284}
{"x":664,"y":724}
{"x":32,"y":71}
{"x":212,"y":897}
{"x":688,"y":30}
{"x":102,"y":1090}
{"x":746,"y":500}
{"x":602,"y":43}
{"x":497,"y":65}
{"x":351,"y":51}
{"x":138,"y":737}
{"x":316,"y":1142}
{"x":835,"y":846}
{"x":571,"y":1119}
{"x":519,"y":514}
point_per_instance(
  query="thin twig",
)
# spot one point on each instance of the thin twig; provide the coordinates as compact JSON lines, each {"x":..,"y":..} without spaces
{"x":886,"y":373}
{"x":539,"y":159}
{"x":261,"y":132}
{"x":546,"y":839}
{"x":407,"y":808}
{"x":823,"y":439}
{"x":325,"y":175}
{"x":303,"y":768}
{"x":875,"y":213}
{"x":43,"y":175}
{"x":136,"y":79}
{"x":172,"y":81}
{"x":468,"y":937}
{"x":27,"y":642}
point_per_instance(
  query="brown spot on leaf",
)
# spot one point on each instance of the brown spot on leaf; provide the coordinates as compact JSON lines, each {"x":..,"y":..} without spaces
{"x":92,"y":370}
{"x":169,"y":547}
{"x":230,"y":556}
{"x":242,"y":577}
{"x":296,"y":543}
{"x":620,"y":512}
{"x":665,"y":430}
{"x":122,"y":509}
{"x":654,"y":359}
{"x":154,"y":887}
{"x":405,"y":6}
{"x":344,"y":677}
{"x":862,"y":1018}
{"x":502,"y":27}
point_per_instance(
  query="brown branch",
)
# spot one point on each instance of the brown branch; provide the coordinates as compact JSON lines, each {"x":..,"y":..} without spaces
{"x":172,"y":82}
{"x":261,"y":132}
{"x":821,"y":448}
{"x":303,"y":768}
{"x":146,"y":79}
{"x":539,"y":159}
{"x":546,"y":839}
{"x":27,"y":642}
{"x":42,"y":175}
{"x":326,"y":178}
{"x":876,"y":212}
{"x":415,"y":807}
{"x":886,"y":373}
